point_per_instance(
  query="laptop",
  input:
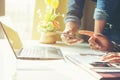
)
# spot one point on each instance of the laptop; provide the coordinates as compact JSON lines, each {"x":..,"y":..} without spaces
{"x":30,"y":52}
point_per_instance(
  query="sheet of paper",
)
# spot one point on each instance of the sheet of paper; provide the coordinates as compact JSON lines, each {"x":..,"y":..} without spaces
{"x":86,"y":61}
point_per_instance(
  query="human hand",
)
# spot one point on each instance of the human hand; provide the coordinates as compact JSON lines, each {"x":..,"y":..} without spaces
{"x":70,"y":38}
{"x":69,"y":34}
{"x":113,"y":57}
{"x":97,"y":41}
{"x":100,"y":42}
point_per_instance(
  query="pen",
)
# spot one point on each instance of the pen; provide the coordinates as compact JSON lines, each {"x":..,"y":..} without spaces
{"x":59,"y":32}
{"x":90,"y":54}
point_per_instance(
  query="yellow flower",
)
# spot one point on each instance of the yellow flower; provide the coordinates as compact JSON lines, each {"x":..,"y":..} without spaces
{"x":55,"y":4}
{"x":48,"y":2}
{"x":48,"y":22}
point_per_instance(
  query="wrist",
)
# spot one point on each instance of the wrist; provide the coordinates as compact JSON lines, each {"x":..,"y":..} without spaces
{"x":99,"y":26}
{"x":115,"y":47}
{"x":72,"y":26}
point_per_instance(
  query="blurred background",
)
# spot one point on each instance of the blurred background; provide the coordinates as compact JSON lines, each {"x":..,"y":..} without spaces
{"x":23,"y":14}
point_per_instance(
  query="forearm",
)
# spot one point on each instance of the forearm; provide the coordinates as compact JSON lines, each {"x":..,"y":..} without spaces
{"x":75,"y":10}
{"x":102,"y":14}
{"x":73,"y":26}
{"x":99,"y":26}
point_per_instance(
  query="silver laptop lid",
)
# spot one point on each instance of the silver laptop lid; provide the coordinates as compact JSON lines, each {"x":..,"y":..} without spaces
{"x":12,"y":37}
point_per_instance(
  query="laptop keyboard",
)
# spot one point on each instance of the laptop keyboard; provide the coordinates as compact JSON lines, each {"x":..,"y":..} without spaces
{"x":41,"y":52}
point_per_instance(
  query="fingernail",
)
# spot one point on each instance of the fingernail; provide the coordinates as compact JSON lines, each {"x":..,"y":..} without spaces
{"x":97,"y":46}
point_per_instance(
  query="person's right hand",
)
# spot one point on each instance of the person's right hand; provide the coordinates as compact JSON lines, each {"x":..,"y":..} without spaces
{"x":112,"y":57}
{"x":69,"y":36}
{"x":98,"y":41}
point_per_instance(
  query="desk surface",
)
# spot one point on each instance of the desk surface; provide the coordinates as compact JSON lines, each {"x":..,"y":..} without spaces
{"x":42,"y":70}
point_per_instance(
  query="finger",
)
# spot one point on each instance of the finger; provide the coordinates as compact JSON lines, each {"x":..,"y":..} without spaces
{"x":71,"y":42}
{"x":112,"y":60}
{"x":93,"y":47}
{"x":65,"y":37}
{"x":75,"y":41}
{"x":86,"y":32}
{"x":92,"y":40}
{"x":109,"y":56}
{"x":71,"y":39}
{"x":68,"y":40}
{"x":93,"y":43}
{"x":99,"y":36}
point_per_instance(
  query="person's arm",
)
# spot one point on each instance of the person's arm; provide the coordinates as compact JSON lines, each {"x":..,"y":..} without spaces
{"x":75,"y":11}
{"x":99,"y":26}
{"x":102,"y":14}
{"x":72,"y":21}
{"x":74,"y":15}
{"x":102,"y":43}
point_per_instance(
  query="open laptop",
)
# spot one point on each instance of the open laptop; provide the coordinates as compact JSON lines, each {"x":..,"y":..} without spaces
{"x":30,"y":52}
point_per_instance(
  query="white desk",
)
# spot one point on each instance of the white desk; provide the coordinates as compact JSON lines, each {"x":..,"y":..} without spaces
{"x":12,"y":69}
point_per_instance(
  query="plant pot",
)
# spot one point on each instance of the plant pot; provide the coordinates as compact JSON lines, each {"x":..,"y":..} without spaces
{"x":48,"y":37}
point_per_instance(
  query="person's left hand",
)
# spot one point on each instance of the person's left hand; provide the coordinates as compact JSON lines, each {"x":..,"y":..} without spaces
{"x":69,"y":34}
{"x":69,"y":38}
{"x":113,"y":57}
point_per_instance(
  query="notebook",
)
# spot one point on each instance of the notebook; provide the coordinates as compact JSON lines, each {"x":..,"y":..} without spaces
{"x":31,"y":52}
{"x":92,"y":62}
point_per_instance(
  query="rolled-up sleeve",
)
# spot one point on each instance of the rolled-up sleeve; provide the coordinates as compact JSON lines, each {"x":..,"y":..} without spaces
{"x":100,"y":14}
{"x":75,"y":9}
{"x":104,"y":9}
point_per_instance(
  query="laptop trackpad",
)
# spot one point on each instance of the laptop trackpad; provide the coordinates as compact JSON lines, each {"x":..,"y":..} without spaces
{"x":53,"y":53}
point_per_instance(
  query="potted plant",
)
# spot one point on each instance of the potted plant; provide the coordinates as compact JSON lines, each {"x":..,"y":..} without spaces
{"x":47,"y":24}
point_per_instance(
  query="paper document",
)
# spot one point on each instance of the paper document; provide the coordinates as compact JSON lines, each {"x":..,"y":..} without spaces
{"x":93,"y":63}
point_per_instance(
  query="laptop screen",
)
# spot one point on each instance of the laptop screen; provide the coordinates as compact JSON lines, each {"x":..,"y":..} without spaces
{"x":12,"y":37}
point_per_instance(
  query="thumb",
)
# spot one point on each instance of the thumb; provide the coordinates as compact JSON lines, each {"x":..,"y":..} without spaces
{"x":99,"y":36}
